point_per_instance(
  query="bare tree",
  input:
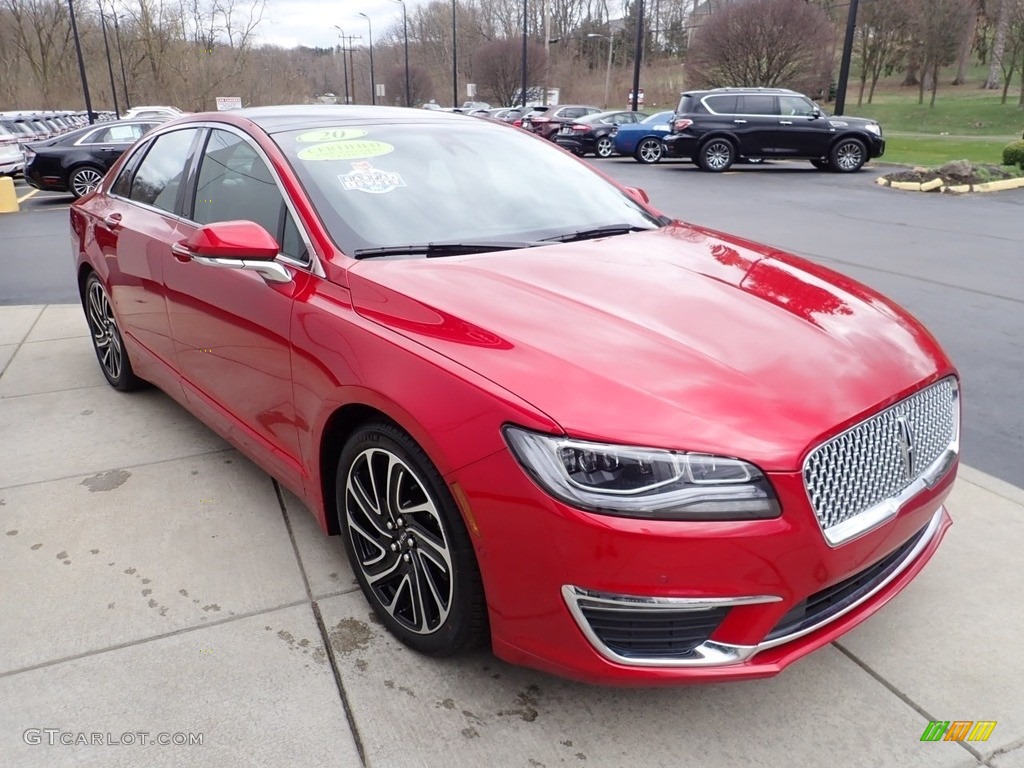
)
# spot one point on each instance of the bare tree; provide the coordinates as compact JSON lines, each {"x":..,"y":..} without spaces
{"x":498,"y":65}
{"x":420,"y":84}
{"x":967,"y":40}
{"x":764,"y":43}
{"x":41,"y":34}
{"x":882,"y":32}
{"x":1004,"y":12}
{"x":934,"y":35}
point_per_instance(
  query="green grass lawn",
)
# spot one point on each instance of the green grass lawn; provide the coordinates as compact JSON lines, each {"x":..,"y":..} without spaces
{"x":931,"y":151}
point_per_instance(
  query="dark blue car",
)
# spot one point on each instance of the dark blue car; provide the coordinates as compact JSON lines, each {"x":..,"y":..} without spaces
{"x":643,"y":140}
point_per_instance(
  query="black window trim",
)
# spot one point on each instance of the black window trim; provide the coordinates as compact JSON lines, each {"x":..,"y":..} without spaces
{"x":312,"y":263}
{"x":140,"y":151}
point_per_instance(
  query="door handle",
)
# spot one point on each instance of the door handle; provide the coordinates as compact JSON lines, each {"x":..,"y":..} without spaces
{"x":739,"y":121}
{"x":785,"y":122}
{"x":112,"y":220}
{"x":180,"y":252}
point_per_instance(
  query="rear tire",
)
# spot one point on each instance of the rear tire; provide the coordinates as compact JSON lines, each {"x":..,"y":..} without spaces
{"x":84,"y":180}
{"x":605,"y":147}
{"x":716,"y":155}
{"x":407,"y":543}
{"x":106,"y":338}
{"x":648,"y":151}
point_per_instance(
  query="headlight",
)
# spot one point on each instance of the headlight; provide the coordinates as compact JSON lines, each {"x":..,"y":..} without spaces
{"x":643,"y":482}
{"x":874,"y":128}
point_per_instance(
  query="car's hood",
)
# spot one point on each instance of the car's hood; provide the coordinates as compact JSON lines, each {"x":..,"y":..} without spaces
{"x":678,"y":338}
{"x":843,"y":121}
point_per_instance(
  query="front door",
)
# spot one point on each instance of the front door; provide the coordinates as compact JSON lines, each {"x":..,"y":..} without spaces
{"x":802,"y":131}
{"x":231,"y":327}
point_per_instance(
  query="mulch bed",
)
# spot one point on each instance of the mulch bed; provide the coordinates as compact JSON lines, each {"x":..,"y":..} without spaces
{"x":953,"y":174}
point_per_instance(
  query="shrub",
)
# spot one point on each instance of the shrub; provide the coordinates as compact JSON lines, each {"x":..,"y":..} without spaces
{"x":1013,"y":154}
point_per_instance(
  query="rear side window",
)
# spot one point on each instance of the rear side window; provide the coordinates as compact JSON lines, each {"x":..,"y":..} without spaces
{"x":724,"y":104}
{"x":758,"y":104}
{"x":161,"y":171}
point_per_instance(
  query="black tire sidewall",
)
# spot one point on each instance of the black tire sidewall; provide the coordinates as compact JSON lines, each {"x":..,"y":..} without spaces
{"x":467,"y":615}
{"x":127,"y":381}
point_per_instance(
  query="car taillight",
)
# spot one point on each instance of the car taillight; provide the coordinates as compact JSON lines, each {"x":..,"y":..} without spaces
{"x":681,"y":125}
{"x":580,"y":128}
{"x":517,"y":123}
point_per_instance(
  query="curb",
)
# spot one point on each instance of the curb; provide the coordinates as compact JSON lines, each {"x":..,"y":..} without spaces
{"x":937,"y":185}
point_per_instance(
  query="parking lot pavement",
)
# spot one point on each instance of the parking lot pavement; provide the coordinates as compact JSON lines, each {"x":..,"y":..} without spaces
{"x":154,"y":581}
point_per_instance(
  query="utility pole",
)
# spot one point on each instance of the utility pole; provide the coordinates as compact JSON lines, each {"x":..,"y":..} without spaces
{"x":110,"y":66}
{"x":81,"y":64}
{"x":120,"y":58}
{"x":638,"y":53}
{"x":344,"y":63}
{"x":526,"y":11}
{"x":455,"y":59}
{"x":844,"y":62}
{"x":547,"y":50}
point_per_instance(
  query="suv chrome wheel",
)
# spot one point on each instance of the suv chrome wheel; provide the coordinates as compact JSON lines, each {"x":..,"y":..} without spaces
{"x":716,"y":156}
{"x":848,"y":155}
{"x":648,"y":151}
{"x":605,"y":147}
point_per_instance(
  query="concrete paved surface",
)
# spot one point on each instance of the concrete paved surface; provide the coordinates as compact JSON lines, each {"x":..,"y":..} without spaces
{"x":153,"y":580}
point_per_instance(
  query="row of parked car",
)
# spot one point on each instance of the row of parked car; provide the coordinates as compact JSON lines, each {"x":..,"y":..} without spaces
{"x":63,"y":152}
{"x":713,"y":128}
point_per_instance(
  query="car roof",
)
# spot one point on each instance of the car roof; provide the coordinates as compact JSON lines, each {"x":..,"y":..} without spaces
{"x":291,"y":117}
{"x":770,"y":91}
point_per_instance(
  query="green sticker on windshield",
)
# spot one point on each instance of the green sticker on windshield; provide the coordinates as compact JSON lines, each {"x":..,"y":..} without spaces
{"x":345,"y":150}
{"x":330,"y":134}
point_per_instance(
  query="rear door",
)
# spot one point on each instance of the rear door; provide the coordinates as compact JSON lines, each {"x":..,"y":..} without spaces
{"x":756,"y":124}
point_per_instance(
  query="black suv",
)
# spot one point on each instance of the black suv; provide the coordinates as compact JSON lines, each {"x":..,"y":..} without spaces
{"x":713,"y":128}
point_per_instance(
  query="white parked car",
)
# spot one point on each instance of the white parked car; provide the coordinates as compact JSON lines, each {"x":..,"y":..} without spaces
{"x":11,"y":158}
{"x":166,"y":113}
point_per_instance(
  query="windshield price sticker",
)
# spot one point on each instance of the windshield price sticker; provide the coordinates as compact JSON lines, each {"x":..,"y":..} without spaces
{"x":365,"y":178}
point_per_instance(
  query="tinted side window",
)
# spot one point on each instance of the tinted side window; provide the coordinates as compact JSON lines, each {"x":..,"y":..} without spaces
{"x":758,"y":104}
{"x":235,"y":183}
{"x":573,"y":112}
{"x":722,"y":105}
{"x":795,"y":105}
{"x":160,"y":173}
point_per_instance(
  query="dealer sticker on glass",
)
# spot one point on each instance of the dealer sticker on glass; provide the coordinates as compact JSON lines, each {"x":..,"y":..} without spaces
{"x":365,"y":178}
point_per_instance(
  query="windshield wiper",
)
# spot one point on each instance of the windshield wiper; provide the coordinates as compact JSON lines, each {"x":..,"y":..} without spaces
{"x":438,"y":249}
{"x":589,"y":234}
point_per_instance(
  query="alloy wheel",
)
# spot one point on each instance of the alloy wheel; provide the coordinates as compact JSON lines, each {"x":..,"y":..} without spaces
{"x":399,"y":541}
{"x":104,"y":331}
{"x":85,"y":180}
{"x":848,"y":156}
{"x":718,"y":155}
{"x":649,"y":151}
{"x":605,"y":148}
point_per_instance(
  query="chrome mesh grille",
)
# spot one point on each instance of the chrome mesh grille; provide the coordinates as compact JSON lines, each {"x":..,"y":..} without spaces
{"x":868,"y":464}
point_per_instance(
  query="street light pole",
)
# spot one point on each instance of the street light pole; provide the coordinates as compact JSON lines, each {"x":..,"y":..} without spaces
{"x":81,"y":64}
{"x":373,"y":80}
{"x":608,"y":69}
{"x":844,"y":62}
{"x":110,"y":66}
{"x":638,"y":54}
{"x":120,"y":58}
{"x":405,"y":30}
{"x":455,"y":59}
{"x":344,"y":63}
{"x":526,"y":12}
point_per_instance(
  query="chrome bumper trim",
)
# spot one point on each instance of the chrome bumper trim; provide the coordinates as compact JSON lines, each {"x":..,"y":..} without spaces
{"x":712,"y":653}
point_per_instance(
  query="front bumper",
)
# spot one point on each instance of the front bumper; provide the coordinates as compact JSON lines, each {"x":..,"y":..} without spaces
{"x":573,"y":144}
{"x":679,"y":145}
{"x":742,"y":591}
{"x":11,"y":166}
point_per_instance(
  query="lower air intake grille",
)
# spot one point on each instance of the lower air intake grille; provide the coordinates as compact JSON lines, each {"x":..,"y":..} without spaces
{"x":652,"y":634}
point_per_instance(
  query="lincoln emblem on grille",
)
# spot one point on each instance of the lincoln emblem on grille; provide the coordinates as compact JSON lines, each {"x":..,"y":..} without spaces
{"x":905,"y":436}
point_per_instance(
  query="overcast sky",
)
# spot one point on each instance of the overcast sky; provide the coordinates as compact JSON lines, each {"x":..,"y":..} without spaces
{"x":289,"y":23}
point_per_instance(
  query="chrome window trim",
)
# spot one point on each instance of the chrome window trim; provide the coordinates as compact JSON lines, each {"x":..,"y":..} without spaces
{"x":885,"y":510}
{"x":711,"y":653}
{"x":313,"y":266}
{"x":736,"y":114}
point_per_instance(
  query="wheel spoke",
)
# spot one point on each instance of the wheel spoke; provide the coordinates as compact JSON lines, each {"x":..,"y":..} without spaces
{"x":369,"y":539}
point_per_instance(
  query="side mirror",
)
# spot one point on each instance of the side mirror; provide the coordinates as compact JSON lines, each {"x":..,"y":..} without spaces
{"x":815,"y":113}
{"x":234,"y":245}
{"x":639,"y":194}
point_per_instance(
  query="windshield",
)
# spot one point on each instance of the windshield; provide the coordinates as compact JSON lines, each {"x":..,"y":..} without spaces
{"x":381,"y":186}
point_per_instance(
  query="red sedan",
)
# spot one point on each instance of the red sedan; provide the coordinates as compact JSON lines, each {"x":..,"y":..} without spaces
{"x":618,"y":447}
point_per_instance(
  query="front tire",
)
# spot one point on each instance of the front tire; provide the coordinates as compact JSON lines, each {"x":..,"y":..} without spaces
{"x":106,"y":338}
{"x":648,"y":151}
{"x":848,"y":156}
{"x":84,"y":180}
{"x":407,"y":543}
{"x":605,"y":147}
{"x":716,"y":155}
